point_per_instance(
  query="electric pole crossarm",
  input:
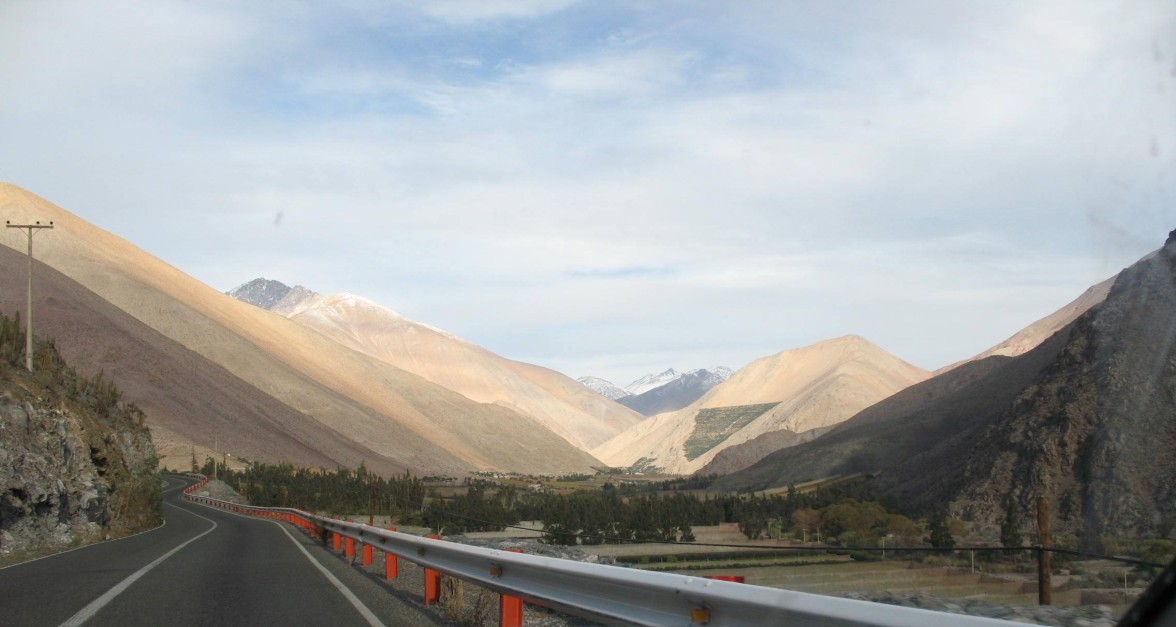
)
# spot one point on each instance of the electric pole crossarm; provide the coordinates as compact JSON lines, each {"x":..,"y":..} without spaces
{"x":29,"y":230}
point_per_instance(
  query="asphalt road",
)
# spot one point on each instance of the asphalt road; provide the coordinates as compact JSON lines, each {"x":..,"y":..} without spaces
{"x":203,"y":567}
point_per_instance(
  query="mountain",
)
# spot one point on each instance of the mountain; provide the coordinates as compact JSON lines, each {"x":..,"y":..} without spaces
{"x":602,"y":387}
{"x":1085,"y":419}
{"x":744,"y":455}
{"x":262,"y":293}
{"x":677,"y":392}
{"x":350,"y":401}
{"x":565,"y":407}
{"x":651,"y":381}
{"x":272,"y":295}
{"x":1028,"y":338}
{"x":799,"y":390}
{"x":190,"y":399}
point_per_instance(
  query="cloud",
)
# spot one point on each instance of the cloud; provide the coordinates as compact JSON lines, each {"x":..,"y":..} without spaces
{"x":465,"y":12}
{"x":611,"y":185}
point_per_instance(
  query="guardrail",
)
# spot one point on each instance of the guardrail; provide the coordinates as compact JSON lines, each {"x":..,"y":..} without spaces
{"x":608,"y":594}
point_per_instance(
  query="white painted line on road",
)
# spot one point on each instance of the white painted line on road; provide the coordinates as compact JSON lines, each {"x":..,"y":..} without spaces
{"x":344,"y":590}
{"x":86,"y":613}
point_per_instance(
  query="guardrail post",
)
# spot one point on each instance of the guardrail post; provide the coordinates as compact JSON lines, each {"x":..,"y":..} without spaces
{"x":510,"y":609}
{"x":337,"y":541}
{"x":349,"y":547}
{"x":391,"y":564}
{"x":432,"y":580}
{"x":735,"y":578}
{"x":367,"y":554}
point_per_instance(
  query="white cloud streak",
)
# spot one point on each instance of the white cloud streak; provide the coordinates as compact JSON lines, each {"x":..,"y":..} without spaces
{"x":612,"y":189}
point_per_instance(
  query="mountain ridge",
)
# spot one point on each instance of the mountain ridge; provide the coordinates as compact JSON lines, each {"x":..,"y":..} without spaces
{"x":563,"y":406}
{"x":399,"y":415}
{"x":808,"y":387}
{"x":1083,"y":419}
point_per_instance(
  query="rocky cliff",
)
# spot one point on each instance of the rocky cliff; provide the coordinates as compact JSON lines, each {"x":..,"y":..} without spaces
{"x":1086,"y":419}
{"x":76,"y":464}
{"x":1096,"y":431}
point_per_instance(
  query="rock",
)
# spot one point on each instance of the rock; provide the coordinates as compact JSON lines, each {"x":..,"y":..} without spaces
{"x":69,"y":475}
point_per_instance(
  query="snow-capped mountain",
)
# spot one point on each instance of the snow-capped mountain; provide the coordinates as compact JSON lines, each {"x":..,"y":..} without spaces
{"x":603,"y":387}
{"x":551,"y":399}
{"x":650,"y":381}
{"x":678,"y":392}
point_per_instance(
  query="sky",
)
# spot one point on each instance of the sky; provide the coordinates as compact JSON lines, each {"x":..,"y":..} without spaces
{"x":616,"y":188}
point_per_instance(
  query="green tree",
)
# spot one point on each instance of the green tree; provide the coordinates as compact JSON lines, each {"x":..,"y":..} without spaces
{"x":1010,"y":527}
{"x":940,"y":532}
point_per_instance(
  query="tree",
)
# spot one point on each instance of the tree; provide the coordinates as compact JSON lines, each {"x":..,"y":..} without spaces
{"x":940,"y":532}
{"x":1010,"y":527}
{"x":807,"y":521}
{"x":753,"y":525}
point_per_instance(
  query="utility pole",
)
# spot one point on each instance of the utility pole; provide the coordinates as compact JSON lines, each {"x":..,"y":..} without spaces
{"x":29,"y":229}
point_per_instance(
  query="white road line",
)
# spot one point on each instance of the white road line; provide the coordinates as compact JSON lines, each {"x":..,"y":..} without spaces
{"x":344,"y":590}
{"x":86,"y":613}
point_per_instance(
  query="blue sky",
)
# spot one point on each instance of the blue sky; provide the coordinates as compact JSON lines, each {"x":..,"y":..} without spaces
{"x":615,"y":188}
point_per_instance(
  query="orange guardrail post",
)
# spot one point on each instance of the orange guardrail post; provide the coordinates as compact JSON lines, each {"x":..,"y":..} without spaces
{"x":349,"y":547}
{"x":367,"y":554}
{"x":337,"y":540}
{"x":510,"y":609}
{"x":735,"y":578}
{"x":391,"y":563}
{"x":432,"y":580}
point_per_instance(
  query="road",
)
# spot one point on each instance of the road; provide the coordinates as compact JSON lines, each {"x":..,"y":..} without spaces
{"x":204,"y":566}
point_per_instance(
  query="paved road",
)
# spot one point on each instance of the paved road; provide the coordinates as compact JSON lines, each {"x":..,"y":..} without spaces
{"x":203,"y":567}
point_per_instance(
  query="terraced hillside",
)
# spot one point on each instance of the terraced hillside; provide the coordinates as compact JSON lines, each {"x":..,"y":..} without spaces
{"x":712,"y":426}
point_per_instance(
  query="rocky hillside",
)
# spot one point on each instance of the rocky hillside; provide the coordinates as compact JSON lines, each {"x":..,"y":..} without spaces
{"x":1086,"y":419}
{"x":76,"y":464}
{"x":1096,"y":431}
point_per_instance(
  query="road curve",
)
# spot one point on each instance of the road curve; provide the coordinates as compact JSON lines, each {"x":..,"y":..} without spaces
{"x":203,"y":567}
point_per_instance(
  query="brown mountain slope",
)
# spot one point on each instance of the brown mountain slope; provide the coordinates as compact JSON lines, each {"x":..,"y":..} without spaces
{"x":913,"y":441}
{"x":1086,"y":419}
{"x":188,"y":398}
{"x":1026,"y":339}
{"x":278,"y":356}
{"x":799,"y":390}
{"x":740,"y":456}
{"x":569,"y":409}
{"x":1096,"y":432}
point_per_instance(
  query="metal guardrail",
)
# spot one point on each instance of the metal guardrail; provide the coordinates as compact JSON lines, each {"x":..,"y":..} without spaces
{"x":617,"y":595}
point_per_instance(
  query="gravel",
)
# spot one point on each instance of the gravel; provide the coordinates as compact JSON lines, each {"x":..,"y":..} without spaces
{"x":1064,"y":616}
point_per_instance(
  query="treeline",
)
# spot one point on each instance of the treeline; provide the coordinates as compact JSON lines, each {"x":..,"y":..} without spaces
{"x":844,"y":514}
{"x":334,"y":492}
{"x":848,"y":514}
